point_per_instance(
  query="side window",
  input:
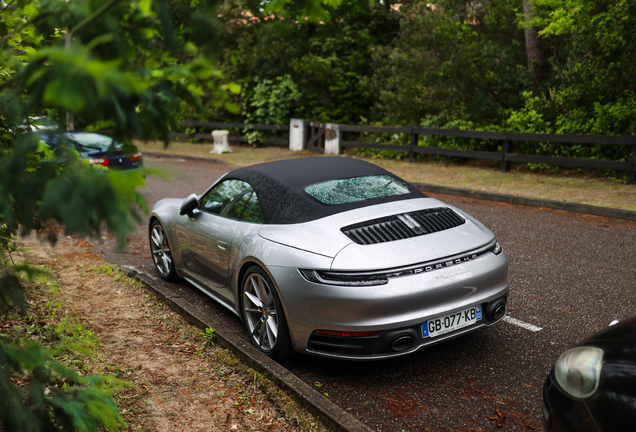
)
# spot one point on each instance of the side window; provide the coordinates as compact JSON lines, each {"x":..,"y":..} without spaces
{"x":235,"y":209}
{"x":253,"y":210}
{"x":227,"y":199}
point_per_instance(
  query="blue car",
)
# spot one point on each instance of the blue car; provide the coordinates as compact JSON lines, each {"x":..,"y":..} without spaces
{"x":96,"y":148}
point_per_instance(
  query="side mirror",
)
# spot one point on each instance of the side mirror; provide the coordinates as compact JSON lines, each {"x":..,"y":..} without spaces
{"x":213,"y":206}
{"x":189,"y":205}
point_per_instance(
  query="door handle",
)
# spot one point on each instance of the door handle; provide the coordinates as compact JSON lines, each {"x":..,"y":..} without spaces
{"x":221,"y":244}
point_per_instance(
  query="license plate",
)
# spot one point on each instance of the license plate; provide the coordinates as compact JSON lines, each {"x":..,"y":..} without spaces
{"x":448,"y":323}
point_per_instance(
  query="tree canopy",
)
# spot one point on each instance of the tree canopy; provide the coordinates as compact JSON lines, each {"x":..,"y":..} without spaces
{"x":447,"y":63}
{"x":113,"y":64}
{"x":450,"y":63}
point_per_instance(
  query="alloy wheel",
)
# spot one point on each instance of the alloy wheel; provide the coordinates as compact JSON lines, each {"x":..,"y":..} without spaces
{"x":260,"y":312}
{"x":161,"y":254}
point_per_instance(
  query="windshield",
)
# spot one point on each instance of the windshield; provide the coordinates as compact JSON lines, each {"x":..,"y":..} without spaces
{"x":91,"y":142}
{"x":353,"y":189}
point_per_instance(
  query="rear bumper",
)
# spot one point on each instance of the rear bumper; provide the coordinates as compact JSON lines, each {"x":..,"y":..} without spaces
{"x":390,"y":343}
{"x":126,"y":165}
{"x":393,"y":310}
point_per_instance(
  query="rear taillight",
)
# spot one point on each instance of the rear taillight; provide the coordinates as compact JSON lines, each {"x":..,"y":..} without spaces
{"x":98,"y":161}
{"x":136,"y":156}
{"x":346,"y":333}
{"x":344,"y":278}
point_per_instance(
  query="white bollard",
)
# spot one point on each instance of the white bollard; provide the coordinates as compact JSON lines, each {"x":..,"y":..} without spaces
{"x":221,"y":144}
{"x":296,"y":135}
{"x":332,"y":139}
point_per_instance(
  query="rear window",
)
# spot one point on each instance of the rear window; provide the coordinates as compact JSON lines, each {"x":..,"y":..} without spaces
{"x":354,"y":189}
{"x":92,"y":142}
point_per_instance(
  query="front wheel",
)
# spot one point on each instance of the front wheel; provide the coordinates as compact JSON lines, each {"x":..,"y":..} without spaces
{"x":161,"y":252}
{"x":263,"y":315}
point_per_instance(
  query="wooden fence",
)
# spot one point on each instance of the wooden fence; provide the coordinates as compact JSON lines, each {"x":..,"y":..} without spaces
{"x":236,"y":138}
{"x":315,"y":134}
{"x":318,"y":130}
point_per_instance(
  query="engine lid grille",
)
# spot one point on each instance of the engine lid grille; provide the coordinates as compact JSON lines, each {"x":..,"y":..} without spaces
{"x":403,"y":226}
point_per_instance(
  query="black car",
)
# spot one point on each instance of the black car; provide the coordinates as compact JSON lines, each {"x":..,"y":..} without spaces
{"x":97,"y":149}
{"x":592,"y":386}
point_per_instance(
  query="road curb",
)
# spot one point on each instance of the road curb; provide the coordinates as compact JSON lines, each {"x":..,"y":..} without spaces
{"x":530,"y":202}
{"x":173,"y":156}
{"x":329,"y":413}
{"x":488,"y":196}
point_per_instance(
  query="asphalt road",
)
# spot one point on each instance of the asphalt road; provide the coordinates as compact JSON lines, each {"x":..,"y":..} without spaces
{"x":570,"y":275}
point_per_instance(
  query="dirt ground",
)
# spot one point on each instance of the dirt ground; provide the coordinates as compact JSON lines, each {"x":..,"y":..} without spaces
{"x":181,"y":381}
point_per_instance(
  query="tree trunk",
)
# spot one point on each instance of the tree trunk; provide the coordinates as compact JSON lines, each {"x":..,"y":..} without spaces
{"x":70,"y":121}
{"x":533,"y":47}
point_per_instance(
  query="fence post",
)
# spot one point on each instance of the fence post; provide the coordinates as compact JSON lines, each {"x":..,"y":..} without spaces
{"x":413,"y":145}
{"x":332,"y":139}
{"x":631,"y":175}
{"x":505,"y":149}
{"x":297,"y":136}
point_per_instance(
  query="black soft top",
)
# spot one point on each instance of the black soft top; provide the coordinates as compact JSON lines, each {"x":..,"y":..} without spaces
{"x":279,"y":186}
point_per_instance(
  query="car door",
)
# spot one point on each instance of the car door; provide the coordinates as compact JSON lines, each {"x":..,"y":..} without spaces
{"x":206,"y":237}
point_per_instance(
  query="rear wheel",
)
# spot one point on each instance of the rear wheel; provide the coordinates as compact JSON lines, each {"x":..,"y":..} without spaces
{"x":264,"y":316}
{"x":161,"y":252}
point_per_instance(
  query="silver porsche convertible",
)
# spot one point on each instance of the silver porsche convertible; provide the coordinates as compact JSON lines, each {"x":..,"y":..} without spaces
{"x":333,"y":256}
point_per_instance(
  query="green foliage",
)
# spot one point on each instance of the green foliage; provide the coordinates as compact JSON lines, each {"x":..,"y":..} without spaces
{"x":562,"y":16}
{"x":324,"y":61}
{"x":11,"y":291}
{"x":40,"y":392}
{"x":209,"y":335}
{"x":312,"y":10}
{"x":114,"y":64}
{"x":85,"y":404}
{"x":103,"y":64}
{"x":271,"y":101}
{"x":447,"y":64}
{"x":591,"y":80}
{"x":384,"y":138}
{"x":121,"y":64}
{"x":451,"y":62}
{"x":461,"y":66}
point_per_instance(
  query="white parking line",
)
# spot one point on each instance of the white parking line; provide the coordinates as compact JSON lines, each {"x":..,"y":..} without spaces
{"x":525,"y":325}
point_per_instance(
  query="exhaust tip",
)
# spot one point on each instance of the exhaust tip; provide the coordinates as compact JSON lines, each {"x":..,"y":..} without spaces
{"x":402,"y":343}
{"x":499,"y":312}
